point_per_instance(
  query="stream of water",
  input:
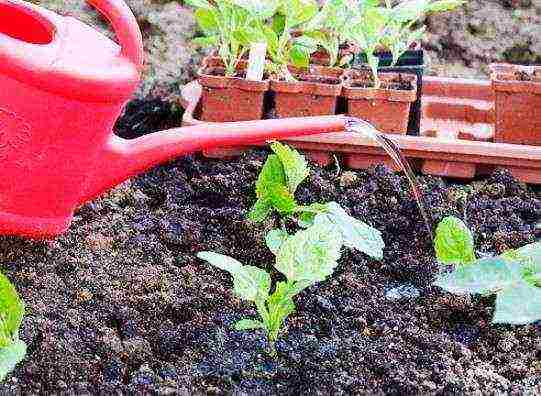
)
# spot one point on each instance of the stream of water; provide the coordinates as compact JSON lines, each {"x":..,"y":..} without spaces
{"x":366,"y":129}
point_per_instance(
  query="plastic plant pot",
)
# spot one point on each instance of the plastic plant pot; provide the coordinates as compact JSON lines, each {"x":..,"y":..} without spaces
{"x":229,"y":98}
{"x":411,"y":62}
{"x":313,"y":93}
{"x":387,"y":107}
{"x":517,"y":91}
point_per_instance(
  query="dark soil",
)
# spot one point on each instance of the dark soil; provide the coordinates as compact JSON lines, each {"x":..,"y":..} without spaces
{"x":399,"y":85}
{"x":318,"y":79}
{"x":120,"y":304}
{"x":525,"y":76}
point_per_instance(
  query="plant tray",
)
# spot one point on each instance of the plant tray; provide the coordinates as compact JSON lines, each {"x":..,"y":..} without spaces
{"x":457,"y":128}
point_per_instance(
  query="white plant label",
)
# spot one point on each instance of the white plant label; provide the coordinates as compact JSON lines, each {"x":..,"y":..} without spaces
{"x":256,"y":61}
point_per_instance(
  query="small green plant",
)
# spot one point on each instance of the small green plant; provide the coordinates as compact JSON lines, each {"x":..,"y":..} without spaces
{"x":228,"y":25}
{"x":514,"y":276}
{"x":283,"y":45}
{"x":12,"y":349}
{"x":392,"y":28}
{"x":276,"y":185}
{"x":305,"y":258}
{"x":333,"y":26}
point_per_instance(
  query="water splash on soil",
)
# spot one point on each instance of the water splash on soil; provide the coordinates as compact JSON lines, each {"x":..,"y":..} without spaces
{"x":364,"y":128}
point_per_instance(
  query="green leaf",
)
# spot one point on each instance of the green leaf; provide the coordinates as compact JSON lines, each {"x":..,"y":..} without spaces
{"x":11,"y":312}
{"x":281,"y":199}
{"x":356,"y":234}
{"x":271,"y":175}
{"x":249,"y":282}
{"x":454,"y":242}
{"x":249,"y":324}
{"x":280,"y":305}
{"x":205,"y":41}
{"x":529,"y":257}
{"x":260,"y":211}
{"x":518,"y":305}
{"x":10,"y":356}
{"x":300,"y":56}
{"x":275,"y":238}
{"x":248,"y":36}
{"x":294,"y":165}
{"x":207,"y":20}
{"x":260,"y":9}
{"x":444,"y":5}
{"x":485,"y":276}
{"x":271,"y":186}
{"x":310,"y":255}
{"x":198,"y":3}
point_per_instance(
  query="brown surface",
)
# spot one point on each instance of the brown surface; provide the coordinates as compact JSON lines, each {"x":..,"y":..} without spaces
{"x":518,"y":104}
{"x":388,"y":107}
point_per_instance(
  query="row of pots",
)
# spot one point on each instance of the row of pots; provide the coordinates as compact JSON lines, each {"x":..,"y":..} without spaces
{"x":318,"y":91}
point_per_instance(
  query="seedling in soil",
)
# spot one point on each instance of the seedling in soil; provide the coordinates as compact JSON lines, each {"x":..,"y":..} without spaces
{"x":12,"y":350}
{"x":305,"y":258}
{"x":514,"y":276}
{"x":391,"y":28}
{"x":229,"y":26}
{"x":276,"y":185}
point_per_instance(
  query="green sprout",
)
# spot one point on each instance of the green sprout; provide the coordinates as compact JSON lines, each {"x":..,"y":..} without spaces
{"x":514,"y":276}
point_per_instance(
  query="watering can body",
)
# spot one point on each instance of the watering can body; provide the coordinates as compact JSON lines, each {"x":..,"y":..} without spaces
{"x":62,"y":87}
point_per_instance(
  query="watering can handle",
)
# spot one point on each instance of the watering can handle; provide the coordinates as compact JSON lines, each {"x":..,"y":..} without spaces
{"x":125,"y":26}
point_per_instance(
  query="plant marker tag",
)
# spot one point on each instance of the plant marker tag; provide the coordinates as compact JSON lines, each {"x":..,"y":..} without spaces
{"x":256,"y":61}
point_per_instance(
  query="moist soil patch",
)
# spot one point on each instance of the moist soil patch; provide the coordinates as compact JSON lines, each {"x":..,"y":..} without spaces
{"x":121,"y":304}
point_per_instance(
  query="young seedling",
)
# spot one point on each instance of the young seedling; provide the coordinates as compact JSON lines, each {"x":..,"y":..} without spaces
{"x":514,"y":276}
{"x":305,"y":258}
{"x":276,"y":185}
{"x":391,"y":28}
{"x":228,"y":25}
{"x":284,"y":47}
{"x":332,"y":26}
{"x":12,"y":349}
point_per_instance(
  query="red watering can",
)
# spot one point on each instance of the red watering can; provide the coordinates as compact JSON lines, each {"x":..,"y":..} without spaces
{"x":62,"y":87}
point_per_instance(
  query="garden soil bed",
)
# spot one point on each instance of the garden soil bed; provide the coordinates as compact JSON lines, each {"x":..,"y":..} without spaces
{"x":121,"y":304}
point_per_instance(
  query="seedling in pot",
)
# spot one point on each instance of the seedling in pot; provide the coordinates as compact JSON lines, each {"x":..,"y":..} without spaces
{"x":514,"y":276}
{"x":391,"y":28}
{"x":332,"y":27}
{"x":228,"y":25}
{"x":276,"y":185}
{"x":306,"y":258}
{"x":285,"y":48}
{"x":12,"y":349}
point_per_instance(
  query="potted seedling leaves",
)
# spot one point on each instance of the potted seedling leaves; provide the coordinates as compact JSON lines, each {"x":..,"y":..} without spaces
{"x":514,"y":276}
{"x":331,"y":28}
{"x":12,"y":349}
{"x":517,"y":90}
{"x":227,"y":95}
{"x":298,"y":89}
{"x":385,"y":99}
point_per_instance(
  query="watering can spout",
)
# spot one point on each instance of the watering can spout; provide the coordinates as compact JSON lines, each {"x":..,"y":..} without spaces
{"x":121,"y":159}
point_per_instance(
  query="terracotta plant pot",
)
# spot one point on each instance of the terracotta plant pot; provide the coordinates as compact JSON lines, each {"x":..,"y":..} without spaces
{"x":314,"y":93}
{"x":229,"y":98}
{"x":517,"y":91}
{"x":387,"y":107}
